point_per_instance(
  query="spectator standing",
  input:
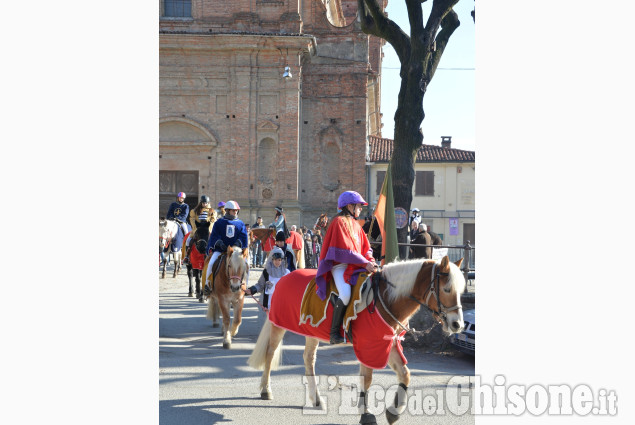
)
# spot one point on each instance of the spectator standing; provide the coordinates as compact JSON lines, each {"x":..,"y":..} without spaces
{"x":270,"y":242}
{"x":436,"y":240}
{"x":422,"y":238}
{"x":289,"y":257}
{"x":308,"y":244}
{"x":315,"y":252}
{"x":295,"y":241}
{"x":257,"y":245}
{"x":415,"y":221}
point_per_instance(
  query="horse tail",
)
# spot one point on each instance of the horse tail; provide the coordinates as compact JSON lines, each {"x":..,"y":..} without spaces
{"x":259,"y":355}
{"x":212,"y":309}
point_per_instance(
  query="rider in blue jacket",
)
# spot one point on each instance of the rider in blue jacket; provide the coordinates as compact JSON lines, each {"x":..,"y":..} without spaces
{"x":179,"y":212}
{"x":227,"y":231}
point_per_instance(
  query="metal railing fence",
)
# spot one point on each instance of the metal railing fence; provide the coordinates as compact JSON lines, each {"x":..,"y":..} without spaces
{"x":454,"y":253}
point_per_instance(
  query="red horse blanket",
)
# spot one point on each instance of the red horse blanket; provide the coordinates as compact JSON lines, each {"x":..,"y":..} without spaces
{"x":373,"y":338}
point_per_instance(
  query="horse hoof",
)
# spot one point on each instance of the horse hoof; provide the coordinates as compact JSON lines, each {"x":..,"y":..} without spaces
{"x":266,"y":395}
{"x":391,"y":417}
{"x":368,"y":419}
{"x":163,"y":276}
{"x":190,"y":295}
{"x":215,"y":325}
{"x":200,"y":300}
{"x":227,"y":345}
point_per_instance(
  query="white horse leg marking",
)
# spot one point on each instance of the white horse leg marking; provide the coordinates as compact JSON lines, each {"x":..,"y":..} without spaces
{"x":310,"y":350}
{"x":396,"y":407}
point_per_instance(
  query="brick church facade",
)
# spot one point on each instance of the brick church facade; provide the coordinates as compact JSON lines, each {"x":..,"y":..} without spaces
{"x":232,"y":127}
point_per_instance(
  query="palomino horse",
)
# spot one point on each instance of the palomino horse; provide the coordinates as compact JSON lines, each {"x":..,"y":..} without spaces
{"x":403,"y":287}
{"x":228,"y":290}
{"x":168,"y":230}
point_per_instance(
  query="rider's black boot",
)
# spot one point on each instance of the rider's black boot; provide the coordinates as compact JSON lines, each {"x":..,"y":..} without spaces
{"x":336,"y":325}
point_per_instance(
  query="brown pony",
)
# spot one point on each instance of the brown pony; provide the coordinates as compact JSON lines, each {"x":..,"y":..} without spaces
{"x":322,"y":223}
{"x":228,"y":290}
{"x":404,"y":287}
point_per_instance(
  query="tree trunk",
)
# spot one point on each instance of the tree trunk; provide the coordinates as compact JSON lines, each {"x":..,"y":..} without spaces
{"x":407,"y":142}
{"x":419,"y":55}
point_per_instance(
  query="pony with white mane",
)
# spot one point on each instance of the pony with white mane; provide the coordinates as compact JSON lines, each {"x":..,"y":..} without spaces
{"x":401,"y":289}
{"x":168,"y":242}
{"x":227,"y":290}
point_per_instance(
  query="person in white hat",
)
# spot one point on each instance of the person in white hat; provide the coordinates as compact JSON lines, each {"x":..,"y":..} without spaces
{"x":229,"y":230}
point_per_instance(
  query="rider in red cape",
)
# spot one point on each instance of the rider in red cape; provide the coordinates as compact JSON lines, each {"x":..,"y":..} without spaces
{"x":345,"y":253}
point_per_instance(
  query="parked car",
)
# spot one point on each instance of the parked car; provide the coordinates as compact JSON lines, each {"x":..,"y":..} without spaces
{"x":464,"y":341}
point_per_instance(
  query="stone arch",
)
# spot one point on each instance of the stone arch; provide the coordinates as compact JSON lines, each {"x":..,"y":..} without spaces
{"x":184,"y":131}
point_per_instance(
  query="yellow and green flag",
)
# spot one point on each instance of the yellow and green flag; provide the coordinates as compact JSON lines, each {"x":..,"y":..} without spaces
{"x":385,"y":216}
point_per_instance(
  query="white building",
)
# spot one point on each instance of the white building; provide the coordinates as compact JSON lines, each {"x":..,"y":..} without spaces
{"x":443,"y":189}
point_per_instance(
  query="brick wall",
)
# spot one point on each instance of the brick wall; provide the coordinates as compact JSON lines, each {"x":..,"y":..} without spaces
{"x":308,"y":131}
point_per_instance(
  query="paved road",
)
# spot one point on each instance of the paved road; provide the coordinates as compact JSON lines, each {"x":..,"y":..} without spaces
{"x":202,"y":383}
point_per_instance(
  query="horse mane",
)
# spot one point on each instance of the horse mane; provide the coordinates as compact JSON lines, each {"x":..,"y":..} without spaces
{"x":236,"y":260}
{"x":403,"y":274}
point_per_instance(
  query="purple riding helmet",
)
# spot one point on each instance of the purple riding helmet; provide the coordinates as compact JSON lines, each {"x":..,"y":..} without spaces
{"x":350,"y":197}
{"x":220,"y":204}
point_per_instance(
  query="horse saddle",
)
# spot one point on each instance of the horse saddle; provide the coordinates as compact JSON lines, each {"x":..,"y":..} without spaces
{"x":215,"y":268}
{"x":314,"y":310}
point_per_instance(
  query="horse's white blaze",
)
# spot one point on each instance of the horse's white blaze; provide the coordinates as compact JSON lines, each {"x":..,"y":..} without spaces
{"x":456,"y":283}
{"x":237,"y":267}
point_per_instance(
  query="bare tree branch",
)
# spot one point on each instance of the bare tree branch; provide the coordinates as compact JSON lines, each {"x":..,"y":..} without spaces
{"x":448,"y":25}
{"x":378,"y":24}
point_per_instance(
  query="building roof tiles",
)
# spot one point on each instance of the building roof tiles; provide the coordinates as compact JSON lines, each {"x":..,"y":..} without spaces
{"x":381,"y":151}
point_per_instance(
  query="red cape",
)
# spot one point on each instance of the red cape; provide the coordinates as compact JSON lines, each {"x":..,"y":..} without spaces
{"x":373,"y":338}
{"x":295,"y":240}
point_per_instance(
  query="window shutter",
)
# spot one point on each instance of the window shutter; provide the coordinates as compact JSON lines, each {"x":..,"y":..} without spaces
{"x":429,"y":183}
{"x":424,"y":183}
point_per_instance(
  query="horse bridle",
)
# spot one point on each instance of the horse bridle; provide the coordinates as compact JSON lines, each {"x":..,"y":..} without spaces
{"x":433,"y":290}
{"x":237,"y":277}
